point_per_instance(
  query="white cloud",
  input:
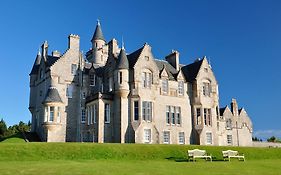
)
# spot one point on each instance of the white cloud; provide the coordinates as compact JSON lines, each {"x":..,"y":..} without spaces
{"x":265,"y":134}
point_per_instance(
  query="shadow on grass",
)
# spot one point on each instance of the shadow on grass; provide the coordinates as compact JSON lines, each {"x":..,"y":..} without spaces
{"x":184,"y":159}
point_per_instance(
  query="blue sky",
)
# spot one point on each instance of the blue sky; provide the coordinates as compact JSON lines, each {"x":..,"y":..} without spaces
{"x":241,"y":38}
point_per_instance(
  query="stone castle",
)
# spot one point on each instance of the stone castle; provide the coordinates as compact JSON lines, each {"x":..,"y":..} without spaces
{"x":108,"y":95}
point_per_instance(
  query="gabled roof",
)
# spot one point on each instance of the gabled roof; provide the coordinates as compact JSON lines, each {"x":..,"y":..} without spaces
{"x":172,"y":72}
{"x":222,"y":110}
{"x":190,"y":71}
{"x":122,"y":61}
{"x":98,"y":35}
{"x":51,"y":60}
{"x":52,"y":96}
{"x":133,"y":57}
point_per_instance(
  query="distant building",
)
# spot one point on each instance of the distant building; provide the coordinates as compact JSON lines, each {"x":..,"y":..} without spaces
{"x":111,"y":96}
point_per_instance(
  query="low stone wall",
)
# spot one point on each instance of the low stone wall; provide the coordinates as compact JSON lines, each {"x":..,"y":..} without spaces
{"x":267,"y":144}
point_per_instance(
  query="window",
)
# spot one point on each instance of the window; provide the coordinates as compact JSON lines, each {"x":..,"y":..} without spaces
{"x":83,"y":116}
{"x":69,"y":90}
{"x":106,"y":113}
{"x":206,"y":89}
{"x":181,"y":138}
{"x":146,"y":58}
{"x":58,"y":114}
{"x":173,"y":115}
{"x":229,"y":139}
{"x":147,"y":110}
{"x":180,"y":87}
{"x":120,"y":77}
{"x":73,"y":69}
{"x":92,"y":79}
{"x":198,"y":116}
{"x":146,"y":79}
{"x":83,"y":95}
{"x":52,"y":111}
{"x":110,"y":83}
{"x":178,"y":115}
{"x":207,"y":117}
{"x":147,"y":135}
{"x":136,"y":110}
{"x":209,"y":138}
{"x":94,"y":113}
{"x":168,"y":114}
{"x":165,"y":86}
{"x":41,"y":73}
{"x":166,"y":137}
{"x":228,"y":123}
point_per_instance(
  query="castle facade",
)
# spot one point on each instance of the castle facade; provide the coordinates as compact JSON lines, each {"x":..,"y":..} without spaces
{"x":108,"y":95}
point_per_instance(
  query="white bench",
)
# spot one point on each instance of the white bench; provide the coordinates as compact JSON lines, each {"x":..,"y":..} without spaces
{"x":232,"y":154}
{"x":197,"y":153}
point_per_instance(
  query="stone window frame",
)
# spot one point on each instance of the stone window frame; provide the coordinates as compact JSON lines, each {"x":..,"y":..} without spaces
{"x":166,"y":137}
{"x":106,"y":113}
{"x":73,"y":69}
{"x":181,"y":138}
{"x":147,"y":79}
{"x":147,"y":135}
{"x":229,"y":139}
{"x":181,"y":88}
{"x":165,"y":86}
{"x":209,"y":138}
{"x":147,"y":110}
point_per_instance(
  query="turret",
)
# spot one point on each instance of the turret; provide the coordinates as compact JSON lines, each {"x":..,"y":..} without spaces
{"x":98,"y":42}
{"x":121,"y":73}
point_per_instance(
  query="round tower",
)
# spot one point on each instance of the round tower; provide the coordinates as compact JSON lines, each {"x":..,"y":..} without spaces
{"x":98,"y":42}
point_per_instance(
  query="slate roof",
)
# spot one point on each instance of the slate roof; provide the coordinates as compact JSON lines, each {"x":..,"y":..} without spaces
{"x":98,"y":33}
{"x":52,"y":96}
{"x":122,"y":61}
{"x":222,"y":110}
{"x":133,"y":57}
{"x":36,"y":64}
{"x":190,"y":71}
{"x":172,"y":72}
{"x":51,"y":60}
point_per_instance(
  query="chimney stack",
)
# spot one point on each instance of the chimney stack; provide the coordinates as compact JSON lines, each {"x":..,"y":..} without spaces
{"x":173,"y":59}
{"x":74,"y":42}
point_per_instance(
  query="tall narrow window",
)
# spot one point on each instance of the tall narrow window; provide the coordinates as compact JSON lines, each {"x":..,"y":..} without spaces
{"x":110,"y":84}
{"x":229,"y":139}
{"x":95,"y":112}
{"x":120,"y":77}
{"x":181,"y":138}
{"x":181,"y":88}
{"x":166,"y":137}
{"x":209,"y":138}
{"x":178,"y":115}
{"x":106,"y":113}
{"x":168,"y":114}
{"x":92,"y":79}
{"x":147,"y":135}
{"x":89,"y":117}
{"x":136,"y":110}
{"x":228,"y":123}
{"x":205,"y":116}
{"x":206,"y":89}
{"x":52,"y":111}
{"x":147,"y":110}
{"x":73,"y":69}
{"x":146,"y":79}
{"x":198,"y":116}
{"x":69,"y":90}
{"x":165,"y":86}
{"x":83,"y":116}
{"x":173,"y":115}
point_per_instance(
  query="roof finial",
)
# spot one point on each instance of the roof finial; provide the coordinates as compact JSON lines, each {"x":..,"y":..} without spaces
{"x":210,"y":62}
{"x":98,"y":22}
{"x":122,"y":43}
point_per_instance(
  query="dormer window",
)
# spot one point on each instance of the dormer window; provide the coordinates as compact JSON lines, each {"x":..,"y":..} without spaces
{"x":73,"y":69}
{"x":165,"y":86}
{"x":206,"y":89}
{"x":146,"y":79}
{"x":180,"y":87}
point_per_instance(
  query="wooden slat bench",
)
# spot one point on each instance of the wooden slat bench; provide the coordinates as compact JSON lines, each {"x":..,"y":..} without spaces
{"x":197,"y":153}
{"x":232,"y":154}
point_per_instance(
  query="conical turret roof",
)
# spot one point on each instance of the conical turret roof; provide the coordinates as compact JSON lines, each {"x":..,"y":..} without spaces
{"x":122,"y":61}
{"x":98,"y":35}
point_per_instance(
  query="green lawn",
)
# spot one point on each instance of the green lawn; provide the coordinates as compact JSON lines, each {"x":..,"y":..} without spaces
{"x":84,"y":158}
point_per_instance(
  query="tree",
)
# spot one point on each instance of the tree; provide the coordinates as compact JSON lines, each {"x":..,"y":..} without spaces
{"x":3,"y":128}
{"x":272,"y":139}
